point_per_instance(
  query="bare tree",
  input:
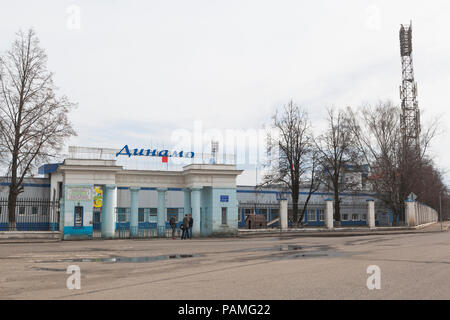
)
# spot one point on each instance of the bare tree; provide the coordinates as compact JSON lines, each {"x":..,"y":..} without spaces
{"x":430,"y":186}
{"x":395,"y":170}
{"x":445,"y":205}
{"x":292,"y":160}
{"x":337,"y":154}
{"x":33,"y":119}
{"x":313,"y":177}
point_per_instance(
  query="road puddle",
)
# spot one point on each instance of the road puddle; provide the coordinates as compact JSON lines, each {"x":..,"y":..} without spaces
{"x":49,"y":269}
{"x":311,"y":253}
{"x":289,"y":248}
{"x":283,"y":247}
{"x":126,"y":259}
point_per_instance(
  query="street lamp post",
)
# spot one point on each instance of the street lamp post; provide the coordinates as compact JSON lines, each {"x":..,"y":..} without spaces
{"x":440,"y":207}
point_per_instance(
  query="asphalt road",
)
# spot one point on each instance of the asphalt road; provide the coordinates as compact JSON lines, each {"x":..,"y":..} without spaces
{"x":413,"y":266}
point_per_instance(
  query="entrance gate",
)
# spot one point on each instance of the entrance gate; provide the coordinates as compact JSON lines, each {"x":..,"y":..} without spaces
{"x":146,"y":229}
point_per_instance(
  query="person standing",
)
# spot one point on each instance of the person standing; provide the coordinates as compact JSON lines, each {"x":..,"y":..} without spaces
{"x":182,"y":230}
{"x":173,"y":225}
{"x":191,"y":223}
{"x":185,"y":227}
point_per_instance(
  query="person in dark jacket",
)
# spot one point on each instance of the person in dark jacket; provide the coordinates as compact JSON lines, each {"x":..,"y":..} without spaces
{"x":173,"y":225}
{"x":191,"y":223}
{"x":185,"y":225}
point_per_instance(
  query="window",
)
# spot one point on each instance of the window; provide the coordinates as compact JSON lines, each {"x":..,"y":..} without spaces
{"x":97,"y":216}
{"x":263,"y":212}
{"x":321,"y":215}
{"x":312,"y":215}
{"x":274,"y":214}
{"x":224,"y":215}
{"x":355,"y":217}
{"x":34,"y":210}
{"x":153,"y":215}
{"x":0,"y":211}
{"x":141,"y":214}
{"x":363,"y":217}
{"x":78,"y":219}
{"x":22,"y":210}
{"x":345,"y":217}
{"x":60,"y":190}
{"x":172,"y":212}
{"x":44,"y":210}
{"x":122,"y":214}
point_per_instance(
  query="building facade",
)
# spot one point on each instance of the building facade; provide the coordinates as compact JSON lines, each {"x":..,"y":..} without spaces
{"x":99,"y":197}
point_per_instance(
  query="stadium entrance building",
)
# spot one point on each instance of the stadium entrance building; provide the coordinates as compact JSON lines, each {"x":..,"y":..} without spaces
{"x":99,"y":194}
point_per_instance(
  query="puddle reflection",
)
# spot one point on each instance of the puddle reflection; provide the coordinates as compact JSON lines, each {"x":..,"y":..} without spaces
{"x":126,"y":259}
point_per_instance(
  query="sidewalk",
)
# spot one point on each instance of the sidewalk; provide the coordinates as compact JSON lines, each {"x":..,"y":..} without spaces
{"x":48,"y":236}
{"x":345,"y":232}
{"x":29,"y":236}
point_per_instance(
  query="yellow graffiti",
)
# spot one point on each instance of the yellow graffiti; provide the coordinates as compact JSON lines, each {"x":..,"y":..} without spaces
{"x":98,"y":197}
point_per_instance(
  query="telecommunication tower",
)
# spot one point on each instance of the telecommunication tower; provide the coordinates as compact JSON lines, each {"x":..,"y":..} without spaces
{"x":410,"y":118}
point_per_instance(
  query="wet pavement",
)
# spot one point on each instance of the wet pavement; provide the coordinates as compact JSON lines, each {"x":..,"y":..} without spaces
{"x":412,"y":266}
{"x":124,"y":259}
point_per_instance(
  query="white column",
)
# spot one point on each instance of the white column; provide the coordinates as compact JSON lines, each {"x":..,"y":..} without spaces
{"x":371,"y":213}
{"x":196,"y":203}
{"x":187,"y":203}
{"x":329,"y":214}
{"x":284,"y":214}
{"x":109,"y":212}
{"x":410,"y":213}
{"x":134,"y":211}
{"x":161,"y":211}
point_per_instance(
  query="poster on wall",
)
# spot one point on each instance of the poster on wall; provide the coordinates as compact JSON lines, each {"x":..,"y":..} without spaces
{"x":79,"y":194}
{"x":98,"y":197}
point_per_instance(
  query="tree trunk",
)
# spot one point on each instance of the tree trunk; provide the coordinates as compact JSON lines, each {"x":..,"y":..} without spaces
{"x":12,"y":198}
{"x":337,"y":211}
{"x":13,"y":189}
{"x":295,"y":208}
{"x":394,"y":217}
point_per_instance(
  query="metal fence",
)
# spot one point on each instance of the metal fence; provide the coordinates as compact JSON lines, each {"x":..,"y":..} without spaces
{"x":148,"y":163}
{"x":147,"y":227}
{"x":351,"y":214}
{"x":30,"y":215}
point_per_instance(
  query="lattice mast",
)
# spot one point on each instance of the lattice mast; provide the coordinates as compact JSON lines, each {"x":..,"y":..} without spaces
{"x":410,"y":118}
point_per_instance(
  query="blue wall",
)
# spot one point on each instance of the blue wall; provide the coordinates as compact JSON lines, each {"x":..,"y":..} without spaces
{"x":70,"y":230}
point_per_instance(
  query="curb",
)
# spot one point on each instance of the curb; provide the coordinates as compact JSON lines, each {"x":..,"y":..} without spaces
{"x":347,"y":232}
{"x":29,"y":236}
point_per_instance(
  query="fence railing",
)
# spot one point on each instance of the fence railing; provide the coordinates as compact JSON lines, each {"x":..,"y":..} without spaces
{"x":351,"y":214}
{"x":147,"y":226}
{"x":148,"y":163}
{"x":30,"y":215}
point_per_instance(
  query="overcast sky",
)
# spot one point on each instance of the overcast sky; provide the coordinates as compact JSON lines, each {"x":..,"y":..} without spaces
{"x":139,"y":70}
